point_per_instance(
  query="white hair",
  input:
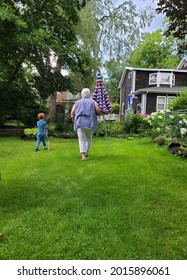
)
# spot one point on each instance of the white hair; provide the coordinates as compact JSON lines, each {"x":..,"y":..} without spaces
{"x":85,"y":92}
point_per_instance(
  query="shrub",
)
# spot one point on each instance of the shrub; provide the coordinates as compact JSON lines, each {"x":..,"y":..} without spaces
{"x":156,"y":124}
{"x":168,"y":124}
{"x":160,"y":140}
{"x":51,"y":128}
{"x":103,"y":127}
{"x":179,"y":103}
{"x":117,"y":128}
{"x":135,"y":124}
{"x":30,"y":131}
{"x":115,"y":108}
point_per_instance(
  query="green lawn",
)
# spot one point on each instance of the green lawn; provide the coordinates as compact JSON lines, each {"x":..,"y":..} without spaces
{"x":131,"y":204}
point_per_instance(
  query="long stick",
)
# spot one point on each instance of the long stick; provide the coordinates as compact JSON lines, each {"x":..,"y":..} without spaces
{"x":107,"y":144}
{"x":48,"y":143}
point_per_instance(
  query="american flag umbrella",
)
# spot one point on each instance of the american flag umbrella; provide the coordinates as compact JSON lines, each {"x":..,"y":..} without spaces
{"x":100,"y":96}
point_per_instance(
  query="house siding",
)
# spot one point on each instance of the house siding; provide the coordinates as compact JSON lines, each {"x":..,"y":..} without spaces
{"x":180,"y":79}
{"x":142,"y":80}
{"x":151,"y":103}
{"x":185,"y":66}
{"x":126,"y":87}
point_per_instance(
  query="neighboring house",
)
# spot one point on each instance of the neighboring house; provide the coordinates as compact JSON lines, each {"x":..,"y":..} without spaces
{"x":64,"y":103}
{"x":148,"y":90}
{"x":61,"y":107}
{"x":66,"y":96}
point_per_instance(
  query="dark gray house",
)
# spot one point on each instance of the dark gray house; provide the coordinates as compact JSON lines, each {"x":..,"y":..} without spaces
{"x":145,"y":90}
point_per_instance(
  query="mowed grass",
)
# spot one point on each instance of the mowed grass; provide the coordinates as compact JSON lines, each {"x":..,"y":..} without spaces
{"x":129,"y":204}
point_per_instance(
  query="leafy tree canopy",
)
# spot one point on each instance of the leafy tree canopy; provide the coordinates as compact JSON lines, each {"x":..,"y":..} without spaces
{"x":32,"y":32}
{"x":176,"y":12}
{"x":108,"y":29}
{"x":114,"y":69}
{"x":180,"y":103}
{"x":155,"y":51}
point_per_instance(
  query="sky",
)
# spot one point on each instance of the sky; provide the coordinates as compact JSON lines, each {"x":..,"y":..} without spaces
{"x":141,"y":4}
{"x":157,"y":21}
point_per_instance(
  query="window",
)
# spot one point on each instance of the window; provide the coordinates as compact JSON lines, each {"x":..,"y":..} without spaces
{"x":162,"y":78}
{"x":130,"y":75}
{"x":170,"y":99}
{"x":153,"y":79}
{"x":163,"y":102}
{"x":165,"y":78}
{"x":173,"y":79}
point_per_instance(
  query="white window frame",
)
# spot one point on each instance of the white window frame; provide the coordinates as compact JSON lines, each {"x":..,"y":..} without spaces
{"x":166,"y":102}
{"x":173,"y":79}
{"x":153,"y":78}
{"x":144,"y":103}
{"x":162,"y":78}
{"x":160,"y":103}
{"x":170,"y":98}
{"x":130,"y":75}
{"x":123,"y":106}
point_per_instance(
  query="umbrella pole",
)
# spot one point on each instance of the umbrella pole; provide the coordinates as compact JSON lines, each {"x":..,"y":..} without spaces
{"x":107,"y":144}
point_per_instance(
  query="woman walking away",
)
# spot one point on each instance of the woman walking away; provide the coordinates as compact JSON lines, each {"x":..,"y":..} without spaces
{"x":42,"y":132}
{"x":84,"y":114}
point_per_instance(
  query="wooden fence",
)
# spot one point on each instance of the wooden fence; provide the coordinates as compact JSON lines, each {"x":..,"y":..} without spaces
{"x":11,"y":132}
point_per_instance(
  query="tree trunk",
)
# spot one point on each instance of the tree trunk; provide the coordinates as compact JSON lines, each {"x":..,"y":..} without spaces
{"x":52,"y":108}
{"x":52,"y":98}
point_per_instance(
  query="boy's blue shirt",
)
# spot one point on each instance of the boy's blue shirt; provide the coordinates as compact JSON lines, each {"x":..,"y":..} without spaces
{"x":41,"y":127}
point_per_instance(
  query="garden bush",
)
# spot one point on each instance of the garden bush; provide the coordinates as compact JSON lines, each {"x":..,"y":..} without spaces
{"x":115,"y":108}
{"x":117,"y":128}
{"x":179,"y":103}
{"x":135,"y":124}
{"x":169,"y":124}
{"x":156,"y":123}
{"x":113,"y":128}
{"x":102,"y":125}
{"x":30,"y":131}
{"x":160,"y":140}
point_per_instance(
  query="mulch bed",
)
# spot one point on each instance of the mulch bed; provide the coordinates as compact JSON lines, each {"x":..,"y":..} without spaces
{"x":178,"y":149}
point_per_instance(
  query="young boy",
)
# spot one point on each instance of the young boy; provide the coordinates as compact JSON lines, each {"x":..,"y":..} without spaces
{"x":42,"y":132}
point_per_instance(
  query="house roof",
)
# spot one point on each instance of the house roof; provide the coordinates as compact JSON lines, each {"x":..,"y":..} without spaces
{"x":150,"y":70}
{"x":165,"y":90}
{"x":66,"y":96}
{"x":182,"y":63}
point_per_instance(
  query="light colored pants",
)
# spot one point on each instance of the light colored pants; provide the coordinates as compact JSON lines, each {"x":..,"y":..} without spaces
{"x":85,"y":139}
